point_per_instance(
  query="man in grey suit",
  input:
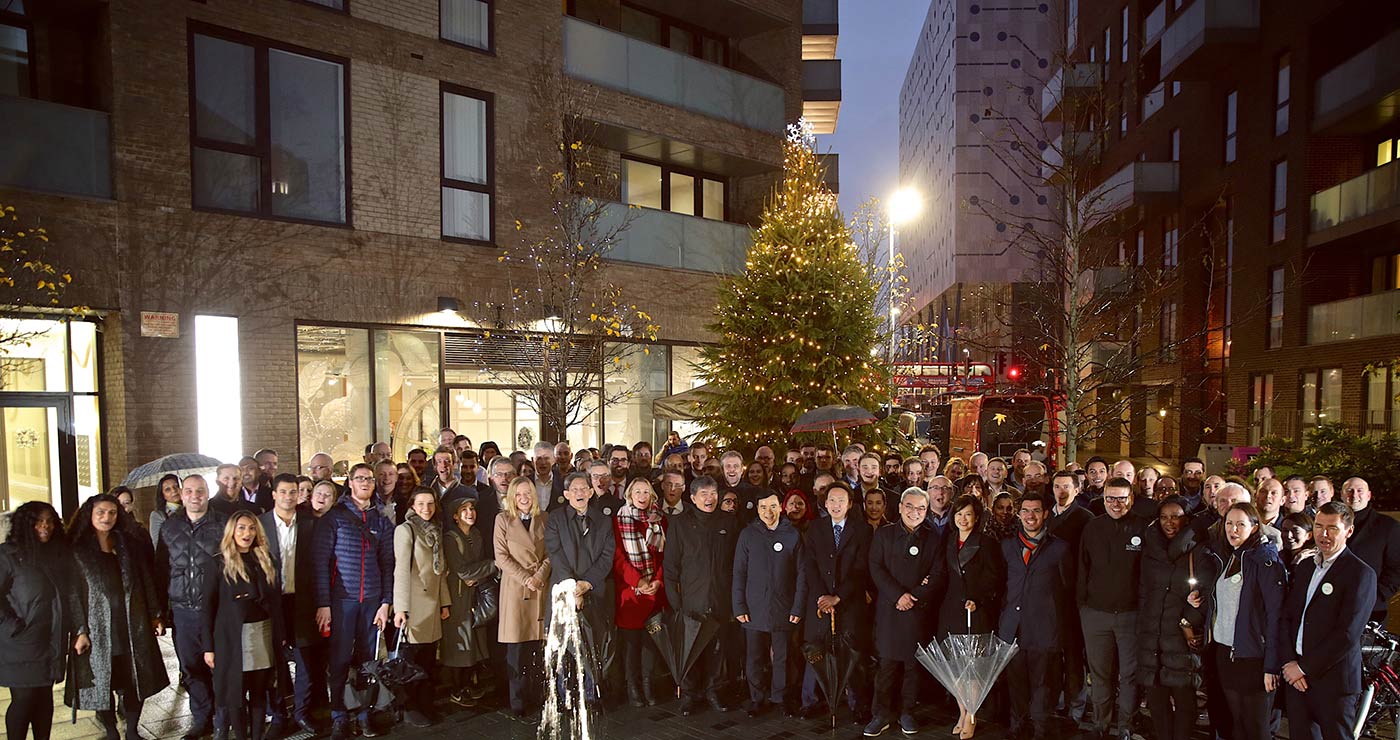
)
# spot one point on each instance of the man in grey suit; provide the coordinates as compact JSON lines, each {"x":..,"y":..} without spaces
{"x":579,"y":541}
{"x":289,"y":539}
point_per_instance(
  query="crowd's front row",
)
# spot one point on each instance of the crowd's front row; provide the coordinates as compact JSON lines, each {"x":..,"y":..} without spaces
{"x":246,"y":594}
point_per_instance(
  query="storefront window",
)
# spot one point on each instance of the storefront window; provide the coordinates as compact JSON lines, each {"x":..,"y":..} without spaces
{"x":685,"y":376}
{"x":632,"y":383}
{"x":406,"y":390}
{"x":333,"y":392}
{"x":32,"y":355}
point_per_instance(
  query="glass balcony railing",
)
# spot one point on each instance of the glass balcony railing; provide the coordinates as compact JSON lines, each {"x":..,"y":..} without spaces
{"x":1154,"y":25}
{"x":1374,"y":315}
{"x":1374,"y":191}
{"x":1153,"y":101}
{"x":636,"y":67}
{"x":55,"y":148}
{"x":668,"y":239}
{"x":1128,"y":186}
{"x":1203,"y":23}
{"x":820,"y":13}
{"x":1363,"y":80}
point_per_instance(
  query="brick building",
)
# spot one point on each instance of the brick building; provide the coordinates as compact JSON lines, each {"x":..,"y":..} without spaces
{"x":304,"y":184}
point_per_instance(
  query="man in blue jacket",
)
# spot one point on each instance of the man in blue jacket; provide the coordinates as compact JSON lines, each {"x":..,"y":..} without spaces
{"x":354,"y":554}
{"x":1324,"y":617}
{"x":769,"y":599}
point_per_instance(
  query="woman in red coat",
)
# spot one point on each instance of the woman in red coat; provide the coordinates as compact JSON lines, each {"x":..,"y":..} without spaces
{"x":640,"y":530}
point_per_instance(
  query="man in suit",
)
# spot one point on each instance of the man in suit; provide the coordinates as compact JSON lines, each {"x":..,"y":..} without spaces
{"x":549,"y":483}
{"x":1039,"y":597}
{"x":289,"y":540}
{"x":580,"y":544}
{"x":1066,"y":521}
{"x":837,"y":569}
{"x":1324,"y":616}
{"x":1377,"y":541}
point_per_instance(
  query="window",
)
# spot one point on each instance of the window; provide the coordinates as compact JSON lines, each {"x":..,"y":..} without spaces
{"x":269,"y":130}
{"x":1141,"y":247}
{"x":1274,"y":339}
{"x":674,"y":34}
{"x":1261,"y":407}
{"x":1229,"y":272}
{"x":1107,"y":48}
{"x":16,"y":60}
{"x":1232,"y":112}
{"x":1123,"y":36}
{"x":1380,"y":402}
{"x":1279,"y":225}
{"x":1320,"y":396}
{"x":1170,"y":242}
{"x":218,"y":399}
{"x":1387,"y":151}
{"x":336,"y":4}
{"x":467,"y":165}
{"x":1282,"y":77}
{"x":1123,"y":124}
{"x":466,"y":22}
{"x":1385,"y":273}
{"x":670,"y":189}
{"x":1176,"y":145}
{"x":1174,"y":88}
{"x":1072,"y":25}
{"x":1166,"y":332}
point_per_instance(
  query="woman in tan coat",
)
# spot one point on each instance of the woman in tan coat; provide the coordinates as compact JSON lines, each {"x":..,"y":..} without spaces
{"x":422,"y":599}
{"x":520,"y":554}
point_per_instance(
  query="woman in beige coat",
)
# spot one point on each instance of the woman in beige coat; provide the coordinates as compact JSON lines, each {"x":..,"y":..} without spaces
{"x":422,"y":599}
{"x":519,"y":544}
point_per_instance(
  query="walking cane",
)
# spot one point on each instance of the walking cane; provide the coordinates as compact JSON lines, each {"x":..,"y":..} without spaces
{"x":832,"y":699}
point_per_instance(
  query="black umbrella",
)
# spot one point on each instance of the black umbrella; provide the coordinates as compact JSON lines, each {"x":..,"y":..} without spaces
{"x":680,"y":640}
{"x":598,"y":636}
{"x":831,"y":418}
{"x":834,"y":664}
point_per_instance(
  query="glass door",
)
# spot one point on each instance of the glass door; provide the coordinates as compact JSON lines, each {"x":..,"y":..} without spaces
{"x":497,"y":414}
{"x":38,"y":455}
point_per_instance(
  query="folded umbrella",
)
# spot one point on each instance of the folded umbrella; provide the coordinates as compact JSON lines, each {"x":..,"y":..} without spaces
{"x":680,"y":640}
{"x":834,"y":664}
{"x":363,"y":688}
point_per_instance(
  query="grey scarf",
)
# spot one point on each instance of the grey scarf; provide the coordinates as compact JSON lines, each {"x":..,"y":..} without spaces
{"x":430,"y":532}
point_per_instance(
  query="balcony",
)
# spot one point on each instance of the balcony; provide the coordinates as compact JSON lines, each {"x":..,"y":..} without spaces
{"x":1153,"y":101}
{"x":1356,"y":205}
{"x":1133,"y":185}
{"x":821,"y":93}
{"x":1101,"y":281}
{"x":1153,"y":26}
{"x":1063,"y":85}
{"x":821,"y":28}
{"x":1065,"y":146}
{"x":1374,"y":315}
{"x":55,"y":148}
{"x":1361,"y":94}
{"x":635,"y":67}
{"x":668,"y":239}
{"x":1104,"y":359}
{"x":1207,"y":26}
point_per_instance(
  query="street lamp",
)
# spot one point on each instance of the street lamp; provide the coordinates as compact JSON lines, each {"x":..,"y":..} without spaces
{"x":904,"y":206}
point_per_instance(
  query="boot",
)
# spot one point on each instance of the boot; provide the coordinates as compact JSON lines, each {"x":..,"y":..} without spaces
{"x":647,"y":696}
{"x":634,"y":694}
{"x":108,"y":718}
{"x":133,"y":721}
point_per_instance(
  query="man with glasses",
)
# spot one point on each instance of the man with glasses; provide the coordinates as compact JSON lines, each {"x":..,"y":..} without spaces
{"x":600,"y":479}
{"x":619,"y":468}
{"x":672,"y":493}
{"x":1193,"y":477}
{"x":1106,"y":588}
{"x":940,"y":495}
{"x":908,"y":568}
{"x":1039,"y":598}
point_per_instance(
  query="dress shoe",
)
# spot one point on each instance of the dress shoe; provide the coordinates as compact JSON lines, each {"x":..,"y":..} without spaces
{"x":756,"y":708}
{"x":689,"y":705}
{"x":195,"y":733}
{"x":416,"y":718}
{"x":716,"y":703}
{"x":812,"y":712}
{"x":307,"y":727}
{"x":367,"y":729}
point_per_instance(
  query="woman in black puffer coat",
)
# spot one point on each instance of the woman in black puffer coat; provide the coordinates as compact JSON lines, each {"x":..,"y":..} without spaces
{"x":1167,"y":670}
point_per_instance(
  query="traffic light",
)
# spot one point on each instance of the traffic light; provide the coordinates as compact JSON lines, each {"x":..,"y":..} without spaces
{"x":1001,"y":362}
{"x":1013,"y":373}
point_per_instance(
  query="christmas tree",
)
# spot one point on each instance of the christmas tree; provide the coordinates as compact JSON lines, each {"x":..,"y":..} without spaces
{"x":797,"y":328}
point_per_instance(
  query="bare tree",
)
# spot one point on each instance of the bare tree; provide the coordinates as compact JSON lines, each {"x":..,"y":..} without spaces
{"x":30,"y":278}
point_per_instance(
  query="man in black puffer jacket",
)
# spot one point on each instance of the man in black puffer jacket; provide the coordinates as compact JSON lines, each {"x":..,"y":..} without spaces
{"x":189,"y":544}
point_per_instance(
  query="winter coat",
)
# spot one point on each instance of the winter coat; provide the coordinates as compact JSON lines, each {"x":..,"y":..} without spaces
{"x":39,"y":609}
{"x":976,"y":573}
{"x":768,"y":584}
{"x":1258,"y":625}
{"x":90,"y":686}
{"x":520,"y":555}
{"x":158,"y":518}
{"x":582,"y":558}
{"x":418,"y":589}
{"x":699,"y":563}
{"x":183,"y":555}
{"x":300,"y":624}
{"x":903,"y":562}
{"x":1163,"y":657}
{"x":229,"y":605}
{"x":1377,"y":542}
{"x":354,"y":555}
{"x":838,"y":571}
{"x":1039,"y":594}
{"x":466,"y":643}
{"x":634,"y":609}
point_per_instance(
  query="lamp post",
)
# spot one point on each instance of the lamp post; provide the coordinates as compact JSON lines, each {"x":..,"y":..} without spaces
{"x":904,"y":206}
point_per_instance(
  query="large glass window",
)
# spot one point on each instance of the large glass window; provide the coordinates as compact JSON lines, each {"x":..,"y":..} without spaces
{"x":1261,"y":407}
{"x":15,"y":60}
{"x":1381,"y":416}
{"x":1275,"y":335}
{"x":218,"y":387}
{"x":406,"y":411}
{"x":1283,"y":77}
{"x":1279,"y":224}
{"x":290,"y":150}
{"x":467,"y":178}
{"x":671,"y":189}
{"x":333,"y":391}
{"x":1320,"y":396}
{"x":674,"y":34}
{"x":466,"y":22}
{"x":1171,"y":242}
{"x":1232,"y":105}
{"x":641,"y":184}
{"x":1166,"y":326}
{"x":640,"y":375}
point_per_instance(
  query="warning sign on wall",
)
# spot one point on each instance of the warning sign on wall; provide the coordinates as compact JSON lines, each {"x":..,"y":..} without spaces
{"x":160,"y":324}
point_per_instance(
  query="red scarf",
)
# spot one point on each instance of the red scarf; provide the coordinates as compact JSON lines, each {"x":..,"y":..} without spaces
{"x":1028,"y":546}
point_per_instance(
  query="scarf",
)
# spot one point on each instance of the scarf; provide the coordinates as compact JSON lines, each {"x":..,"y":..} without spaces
{"x":1028,"y":546}
{"x":431,"y":532}
{"x":641,"y":535}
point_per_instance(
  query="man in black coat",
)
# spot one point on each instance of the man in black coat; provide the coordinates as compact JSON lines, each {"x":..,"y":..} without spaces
{"x":769,"y":597}
{"x":579,"y":541}
{"x":1039,"y":597}
{"x":1324,"y":616}
{"x":699,"y":566}
{"x":732,"y":465}
{"x":1377,"y":541}
{"x":289,"y":540}
{"x":604,"y":499}
{"x":1067,"y":519}
{"x":837,"y":569}
{"x":909,"y":569}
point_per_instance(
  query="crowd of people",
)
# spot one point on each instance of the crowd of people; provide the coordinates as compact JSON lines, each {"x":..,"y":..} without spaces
{"x":1120,"y":587}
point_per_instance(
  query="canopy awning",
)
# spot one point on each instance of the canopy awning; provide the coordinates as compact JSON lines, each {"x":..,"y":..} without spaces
{"x":682,"y":406}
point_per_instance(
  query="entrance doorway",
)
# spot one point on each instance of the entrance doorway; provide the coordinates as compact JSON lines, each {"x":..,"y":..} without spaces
{"x":38,"y":452}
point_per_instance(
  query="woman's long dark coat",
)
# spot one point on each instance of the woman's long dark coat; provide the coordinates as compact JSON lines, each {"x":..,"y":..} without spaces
{"x":38,"y":611}
{"x":1163,"y":658}
{"x":227,"y":604}
{"x":977,"y":573}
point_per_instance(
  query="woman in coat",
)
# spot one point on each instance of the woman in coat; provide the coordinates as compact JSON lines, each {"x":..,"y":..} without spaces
{"x":242,"y":621}
{"x":518,"y":541}
{"x":118,"y":620}
{"x":422,"y":600}
{"x":976,"y":578}
{"x":640,"y":530}
{"x":1002,"y":521}
{"x":1174,"y":565}
{"x":38,"y":610}
{"x":167,"y":503}
{"x":471,"y":575}
{"x":1243,"y":614}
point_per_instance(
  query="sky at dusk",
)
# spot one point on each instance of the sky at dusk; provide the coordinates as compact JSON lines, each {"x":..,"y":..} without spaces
{"x":877,"y":41}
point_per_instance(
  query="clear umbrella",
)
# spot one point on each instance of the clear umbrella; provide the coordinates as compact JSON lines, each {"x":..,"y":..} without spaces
{"x":967,"y":665}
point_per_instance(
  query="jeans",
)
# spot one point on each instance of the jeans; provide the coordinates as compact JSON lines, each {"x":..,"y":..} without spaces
{"x":522,"y":663}
{"x":1110,"y":642}
{"x":352,"y":643}
{"x":199,"y":680}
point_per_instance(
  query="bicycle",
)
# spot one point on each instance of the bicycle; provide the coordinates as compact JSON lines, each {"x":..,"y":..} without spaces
{"x":1380,"y":697}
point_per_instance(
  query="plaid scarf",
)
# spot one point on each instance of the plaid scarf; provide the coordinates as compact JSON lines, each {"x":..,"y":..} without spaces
{"x":641,"y":534}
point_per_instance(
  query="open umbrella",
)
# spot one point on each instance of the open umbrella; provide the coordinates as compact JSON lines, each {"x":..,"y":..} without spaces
{"x":834,"y":664}
{"x":180,"y":463}
{"x":967,"y":665}
{"x":831,"y":418}
{"x":680,"y":640}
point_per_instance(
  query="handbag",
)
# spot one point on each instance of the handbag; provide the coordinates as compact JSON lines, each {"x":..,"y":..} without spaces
{"x":1195,"y":637}
{"x":488,"y":601}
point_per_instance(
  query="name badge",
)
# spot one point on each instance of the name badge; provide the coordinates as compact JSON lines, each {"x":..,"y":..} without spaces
{"x":607,"y":511}
{"x":749,"y":505}
{"x":559,"y":500}
{"x":1326,"y":589}
{"x":1134,"y":544}
{"x":1236,"y":578}
{"x":777,"y":547}
{"x":914,"y":550}
{"x":724,"y":531}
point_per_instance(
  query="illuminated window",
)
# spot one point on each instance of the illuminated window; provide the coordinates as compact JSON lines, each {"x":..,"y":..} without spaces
{"x":1385,"y":152}
{"x":1274,"y":339}
{"x":218,"y":396}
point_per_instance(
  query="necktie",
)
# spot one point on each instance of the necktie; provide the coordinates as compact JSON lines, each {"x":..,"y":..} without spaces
{"x":583,"y":525}
{"x":836,"y":530}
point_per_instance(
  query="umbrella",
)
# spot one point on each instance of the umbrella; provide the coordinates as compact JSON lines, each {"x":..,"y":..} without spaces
{"x":680,"y":640}
{"x":831,"y":418}
{"x":967,"y":665}
{"x":365,"y":688}
{"x":181,"y":464}
{"x":834,"y":665}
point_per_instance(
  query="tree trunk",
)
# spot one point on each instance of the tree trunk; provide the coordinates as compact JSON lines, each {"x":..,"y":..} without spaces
{"x":554,"y":417}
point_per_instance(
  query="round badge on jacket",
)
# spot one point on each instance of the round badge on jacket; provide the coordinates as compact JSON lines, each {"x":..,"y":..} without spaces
{"x":1136,"y":541}
{"x":1326,"y":589}
{"x":1236,"y":578}
{"x":607,"y":511}
{"x":559,"y":500}
{"x":777,"y":547}
{"x":749,"y":505}
{"x":914,"y":550}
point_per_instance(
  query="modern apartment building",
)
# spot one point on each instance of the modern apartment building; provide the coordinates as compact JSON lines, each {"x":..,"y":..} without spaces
{"x":272,"y":207}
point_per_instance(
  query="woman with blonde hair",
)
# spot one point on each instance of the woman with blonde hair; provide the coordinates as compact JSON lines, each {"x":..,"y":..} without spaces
{"x":640,"y":530}
{"x":422,"y":600}
{"x":518,"y":540}
{"x":955,"y":468}
{"x":242,"y":622}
